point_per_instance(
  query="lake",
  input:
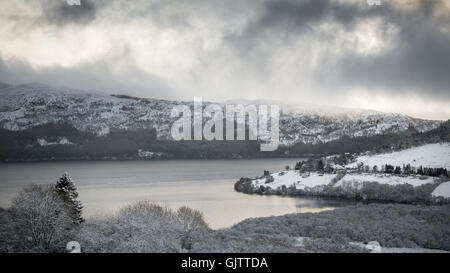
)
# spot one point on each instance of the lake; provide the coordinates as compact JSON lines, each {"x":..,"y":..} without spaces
{"x":206,"y":185}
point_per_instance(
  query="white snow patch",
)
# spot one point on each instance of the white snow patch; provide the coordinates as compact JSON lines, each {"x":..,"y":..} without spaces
{"x":61,"y":141}
{"x":299,"y":241}
{"x":300,"y":181}
{"x":442,"y":190}
{"x":64,"y":141}
{"x":149,"y":154}
{"x":42,"y":142}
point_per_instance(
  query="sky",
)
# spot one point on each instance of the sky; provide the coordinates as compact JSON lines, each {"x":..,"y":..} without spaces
{"x":393,"y":57}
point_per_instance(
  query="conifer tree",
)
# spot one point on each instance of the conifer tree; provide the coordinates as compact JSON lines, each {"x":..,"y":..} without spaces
{"x":67,"y":190}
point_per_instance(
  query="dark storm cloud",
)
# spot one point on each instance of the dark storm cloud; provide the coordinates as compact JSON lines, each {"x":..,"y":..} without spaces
{"x":306,"y":13}
{"x":289,"y":19}
{"x":60,"y":13}
{"x":285,"y":21}
{"x":420,"y":61}
{"x":294,"y":17}
{"x":417,"y":61}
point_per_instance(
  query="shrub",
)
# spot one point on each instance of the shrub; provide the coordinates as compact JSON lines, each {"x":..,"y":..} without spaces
{"x":144,"y":228}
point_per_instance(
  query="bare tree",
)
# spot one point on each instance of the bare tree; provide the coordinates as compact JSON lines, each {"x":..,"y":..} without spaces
{"x":192,"y":221}
{"x":40,"y":218}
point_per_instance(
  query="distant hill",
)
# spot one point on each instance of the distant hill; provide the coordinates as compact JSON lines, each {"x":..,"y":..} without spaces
{"x":35,"y":114}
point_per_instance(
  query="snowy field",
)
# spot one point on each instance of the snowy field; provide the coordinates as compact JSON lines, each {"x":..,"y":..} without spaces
{"x":430,"y":155}
{"x":442,"y":190}
{"x":289,"y":178}
{"x":356,"y":179}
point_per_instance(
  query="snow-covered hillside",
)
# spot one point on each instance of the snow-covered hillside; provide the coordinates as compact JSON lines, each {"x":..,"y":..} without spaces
{"x":352,"y":183}
{"x":25,"y":106}
{"x":430,"y":155}
{"x":435,"y":155}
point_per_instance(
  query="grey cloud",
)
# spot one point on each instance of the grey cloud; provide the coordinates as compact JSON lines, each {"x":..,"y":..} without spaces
{"x":283,"y":22}
{"x":417,"y":61}
{"x":295,"y":17}
{"x":94,"y":76}
{"x":420,"y":63}
{"x":287,"y":19}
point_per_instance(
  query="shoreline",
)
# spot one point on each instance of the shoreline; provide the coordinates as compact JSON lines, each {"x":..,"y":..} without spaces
{"x":366,"y":191}
{"x":158,"y":159}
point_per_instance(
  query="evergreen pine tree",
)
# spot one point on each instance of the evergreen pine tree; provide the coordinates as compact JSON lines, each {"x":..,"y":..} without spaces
{"x":68,"y":193}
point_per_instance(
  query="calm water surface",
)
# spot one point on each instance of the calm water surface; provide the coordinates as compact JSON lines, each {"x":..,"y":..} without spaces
{"x":206,"y":185}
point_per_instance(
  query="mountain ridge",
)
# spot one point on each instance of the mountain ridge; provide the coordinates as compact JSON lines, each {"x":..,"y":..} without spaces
{"x":28,"y":105}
